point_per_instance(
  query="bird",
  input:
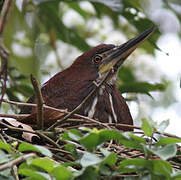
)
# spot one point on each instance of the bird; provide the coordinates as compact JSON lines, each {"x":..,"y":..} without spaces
{"x":68,"y":88}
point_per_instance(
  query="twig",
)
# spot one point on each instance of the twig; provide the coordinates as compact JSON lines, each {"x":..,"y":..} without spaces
{"x":34,"y":105}
{"x":92,"y":120}
{"x":6,"y":7}
{"x":14,"y":172}
{"x":17,"y":129}
{"x":106,"y":125}
{"x":15,"y":116}
{"x":54,"y":109}
{"x":16,"y":161}
{"x":33,"y":132}
{"x":39,"y":98}
{"x":48,"y":139}
{"x":3,"y":74}
{"x":117,"y":125}
{"x":3,"y":52}
{"x":82,"y":103}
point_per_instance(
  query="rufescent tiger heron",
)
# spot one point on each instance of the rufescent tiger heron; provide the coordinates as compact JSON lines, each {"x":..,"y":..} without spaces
{"x":67,"y":89}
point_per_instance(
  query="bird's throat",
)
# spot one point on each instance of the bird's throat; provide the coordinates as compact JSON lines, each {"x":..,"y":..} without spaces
{"x":111,"y":79}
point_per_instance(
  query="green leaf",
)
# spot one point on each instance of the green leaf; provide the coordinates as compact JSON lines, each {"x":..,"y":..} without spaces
{"x":141,"y":87}
{"x":161,"y":168}
{"x":45,"y":163}
{"x":5,"y":157}
{"x":146,"y":127}
{"x":115,"y":5}
{"x":6,"y":174}
{"x":165,"y":152}
{"x":105,"y":170}
{"x":132,"y":141}
{"x":110,"y":157}
{"x":162,"y":126}
{"x":135,"y":4}
{"x":167,"y":140}
{"x":93,"y":139}
{"x":176,"y":175}
{"x":107,"y":135}
{"x":102,"y":9}
{"x":89,"y":173}
{"x":29,"y":147}
{"x":90,"y":141}
{"x":27,"y":165}
{"x":76,"y":7}
{"x":71,"y":148}
{"x":27,"y":89}
{"x":11,"y":94}
{"x":5,"y":146}
{"x":33,"y":174}
{"x":136,"y":138}
{"x":62,"y":173}
{"x":89,"y":159}
{"x":127,"y":139}
{"x":49,"y":14}
{"x":133,"y":165}
{"x":72,"y":134}
{"x":142,"y":166}
{"x":125,"y":74}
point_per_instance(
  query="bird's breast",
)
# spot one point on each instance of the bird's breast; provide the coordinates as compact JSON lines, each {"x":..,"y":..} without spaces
{"x":101,"y":106}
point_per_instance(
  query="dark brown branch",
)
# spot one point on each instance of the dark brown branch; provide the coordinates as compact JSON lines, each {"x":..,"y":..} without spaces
{"x":3,"y":52}
{"x":14,"y":171}
{"x":34,"y":105}
{"x":3,"y":76}
{"x":15,"y":116}
{"x":39,"y":99}
{"x":105,"y":125}
{"x":54,"y":109}
{"x":33,"y":132}
{"x":16,"y":161}
{"x":5,"y":10}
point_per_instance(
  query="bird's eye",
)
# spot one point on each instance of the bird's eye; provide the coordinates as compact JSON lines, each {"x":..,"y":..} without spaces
{"x":97,"y":59}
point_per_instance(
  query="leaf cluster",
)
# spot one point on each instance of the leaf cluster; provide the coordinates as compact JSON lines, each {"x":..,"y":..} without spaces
{"x":97,"y":154}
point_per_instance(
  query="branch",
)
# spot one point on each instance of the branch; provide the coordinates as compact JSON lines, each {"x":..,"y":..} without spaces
{"x":15,"y":116}
{"x":106,"y":125}
{"x":39,"y":98}
{"x":17,"y":161}
{"x":32,"y":132}
{"x":34,"y":105}
{"x":14,"y":171}
{"x":50,"y":108}
{"x":3,"y":52}
{"x":5,"y":10}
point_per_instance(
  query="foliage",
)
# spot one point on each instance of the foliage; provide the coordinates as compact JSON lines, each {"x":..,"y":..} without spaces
{"x":97,"y":154}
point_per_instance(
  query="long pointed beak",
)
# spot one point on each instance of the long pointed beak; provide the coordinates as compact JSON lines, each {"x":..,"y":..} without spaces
{"x":119,"y":53}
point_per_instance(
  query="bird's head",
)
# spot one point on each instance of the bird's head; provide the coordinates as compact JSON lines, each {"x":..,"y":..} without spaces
{"x":98,"y":61}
